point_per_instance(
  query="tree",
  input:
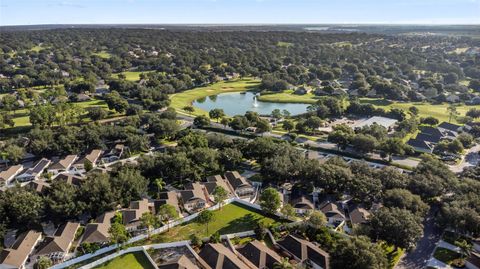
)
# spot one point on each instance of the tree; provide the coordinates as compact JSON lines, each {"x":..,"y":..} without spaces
{"x":452,"y":112}
{"x":393,"y":146}
{"x":288,"y":125}
{"x":167,"y":213}
{"x":97,"y":194}
{"x":205,"y":217}
{"x":61,"y":201}
{"x":201,"y":121}
{"x":189,"y":109}
{"x":404,"y":199}
{"x":263,"y":126}
{"x":216,"y":113}
{"x":283,"y":264}
{"x":317,"y":219}
{"x":43,"y":263}
{"x":239,"y":123}
{"x":465,"y":247}
{"x":288,"y":211}
{"x":195,"y":240}
{"x":159,"y":184}
{"x":450,"y":78}
{"x":118,"y":233}
{"x":149,"y":221}
{"x":364,"y":143}
{"x":270,"y":200}
{"x":220,"y":194}
{"x":87,"y":165}
{"x":429,"y":120}
{"x":22,"y":206}
{"x":130,"y":184}
{"x":466,"y":139}
{"x":225,"y":122}
{"x":13,"y":153}
{"x":116,"y":102}
{"x":97,"y":113}
{"x":358,"y":252}
{"x":276,"y":114}
{"x":396,"y":226}
{"x":413,"y":110}
{"x":313,"y":123}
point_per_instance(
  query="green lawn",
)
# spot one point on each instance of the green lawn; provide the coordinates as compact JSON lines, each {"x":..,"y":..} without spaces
{"x":135,"y":260}
{"x":445,"y":255}
{"x":284,"y":44}
{"x":426,"y":109}
{"x":132,"y":75}
{"x":186,"y":98}
{"x":103,"y":54}
{"x":289,"y":97}
{"x":232,"y":218}
{"x":37,"y":48}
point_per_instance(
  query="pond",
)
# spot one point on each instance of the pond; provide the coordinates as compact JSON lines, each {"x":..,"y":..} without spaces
{"x":237,"y":103}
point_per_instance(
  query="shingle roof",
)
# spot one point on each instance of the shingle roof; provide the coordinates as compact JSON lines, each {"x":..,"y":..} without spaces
{"x":449,"y":126}
{"x":236,"y":180}
{"x":92,"y":157}
{"x":260,"y":255}
{"x":331,"y":210}
{"x":303,"y":202}
{"x":10,"y":172}
{"x":181,"y":263}
{"x":70,"y":178}
{"x":38,"y":185}
{"x":64,"y":163}
{"x":305,"y":250}
{"x":98,"y":231}
{"x":359,"y":215}
{"x":135,"y":211}
{"x":21,"y":249}
{"x":169,"y":197}
{"x":60,"y":241}
{"x":217,"y":180}
{"x":193,"y":191}
{"x":219,"y":257}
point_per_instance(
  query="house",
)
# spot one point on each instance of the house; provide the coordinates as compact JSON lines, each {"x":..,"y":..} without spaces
{"x":388,"y":123}
{"x":194,"y":197}
{"x":260,"y":255}
{"x":449,"y":130}
{"x":131,"y":216}
{"x":56,"y":247}
{"x":217,"y":181}
{"x":334,"y":214}
{"x":181,"y":263}
{"x":7,"y":176}
{"x":359,"y":215}
{"x":70,"y":178}
{"x":303,"y":204}
{"x":91,"y":157}
{"x":220,"y":257}
{"x":38,"y":185}
{"x":62,"y":165}
{"x":305,"y":252}
{"x":16,"y":256}
{"x":34,"y":172}
{"x":115,"y":154}
{"x":169,"y":197}
{"x":97,"y":232}
{"x":240,"y":185}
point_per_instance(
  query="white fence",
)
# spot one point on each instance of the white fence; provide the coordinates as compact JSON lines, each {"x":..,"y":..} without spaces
{"x":158,"y":231}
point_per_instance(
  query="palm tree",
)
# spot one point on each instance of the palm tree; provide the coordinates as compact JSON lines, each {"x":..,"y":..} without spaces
{"x":160,"y":184}
{"x":465,"y":247}
{"x":283,"y":264}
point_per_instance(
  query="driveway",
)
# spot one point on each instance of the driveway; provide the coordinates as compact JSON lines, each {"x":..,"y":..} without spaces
{"x":471,"y":158}
{"x":417,"y":258}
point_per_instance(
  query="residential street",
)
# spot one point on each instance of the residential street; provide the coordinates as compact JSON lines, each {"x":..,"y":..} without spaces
{"x":417,"y":258}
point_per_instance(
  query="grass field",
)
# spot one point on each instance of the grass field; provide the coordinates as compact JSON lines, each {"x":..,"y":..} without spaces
{"x":132,"y":75}
{"x":21,"y":117}
{"x":103,"y":54}
{"x":135,"y":260}
{"x":232,"y":218}
{"x":438,"y":111}
{"x":289,"y":97}
{"x":284,"y":44}
{"x":186,"y":98}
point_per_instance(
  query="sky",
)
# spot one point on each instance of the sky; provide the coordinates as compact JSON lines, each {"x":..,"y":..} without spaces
{"x":29,"y":12}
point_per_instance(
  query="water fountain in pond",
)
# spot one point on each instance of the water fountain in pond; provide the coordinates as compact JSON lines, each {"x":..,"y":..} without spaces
{"x":255,"y":104}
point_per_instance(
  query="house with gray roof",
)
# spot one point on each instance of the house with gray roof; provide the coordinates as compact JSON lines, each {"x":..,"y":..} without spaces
{"x":17,"y":255}
{"x":34,"y":172}
{"x":56,"y":247}
{"x":239,"y":184}
{"x":259,"y":254}
{"x":218,"y":256}
{"x":305,"y":252}
{"x":7,"y":176}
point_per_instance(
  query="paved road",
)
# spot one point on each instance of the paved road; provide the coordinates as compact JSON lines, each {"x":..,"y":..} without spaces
{"x":471,"y":158}
{"x":417,"y":258}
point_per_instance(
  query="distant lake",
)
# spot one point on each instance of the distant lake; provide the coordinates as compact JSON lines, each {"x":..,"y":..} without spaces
{"x":236,"y":103}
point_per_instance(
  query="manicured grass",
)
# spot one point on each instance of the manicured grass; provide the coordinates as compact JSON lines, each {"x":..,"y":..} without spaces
{"x":135,"y":260}
{"x":132,"y":75}
{"x":21,"y":117}
{"x":393,"y":255}
{"x":289,"y":97}
{"x":231,"y":218}
{"x":37,"y":48}
{"x":438,"y":111}
{"x":103,"y":54}
{"x":284,"y":44}
{"x":445,"y":255}
{"x":186,"y":98}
